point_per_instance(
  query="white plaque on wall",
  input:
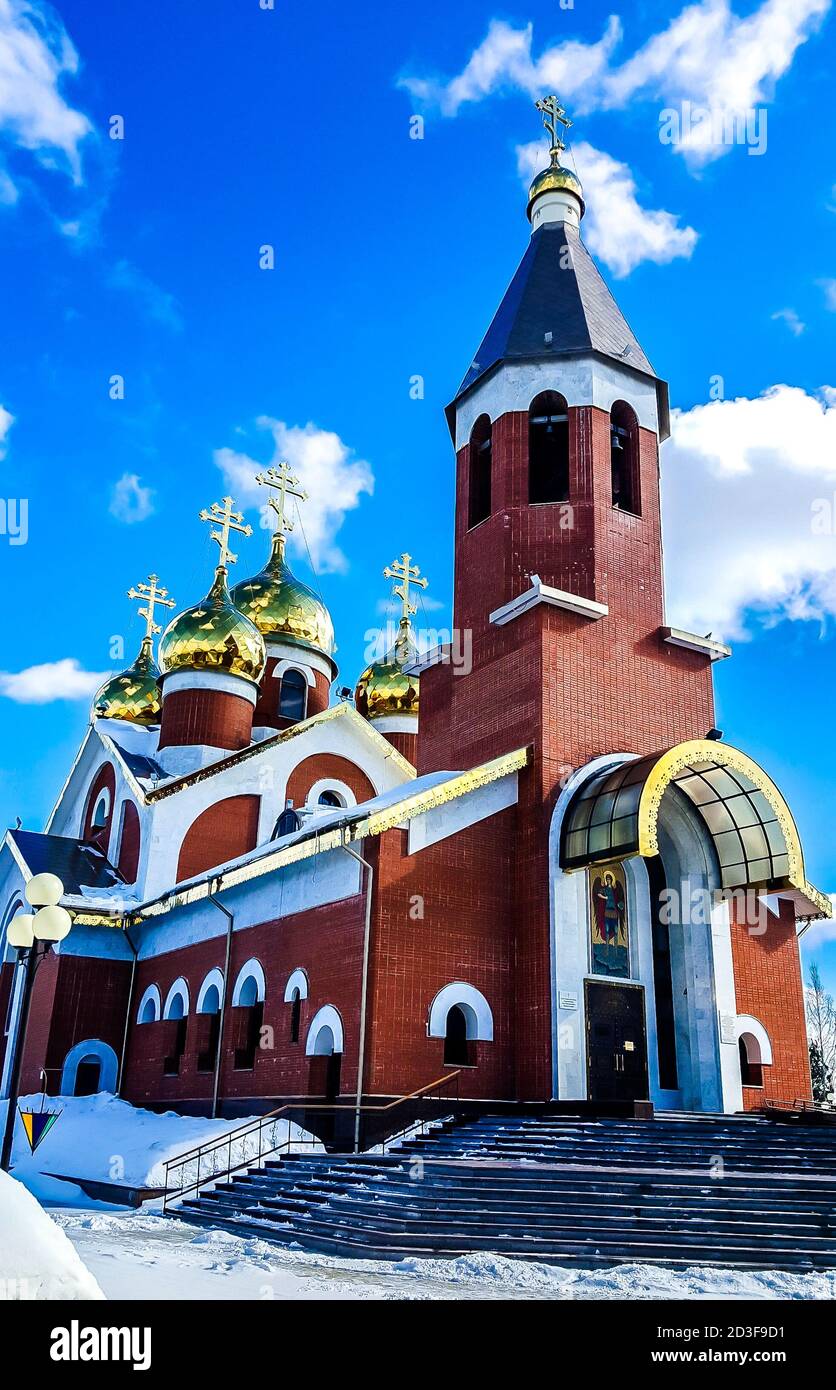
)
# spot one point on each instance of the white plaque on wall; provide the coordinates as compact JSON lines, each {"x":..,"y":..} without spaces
{"x":728,"y":1028}
{"x":568,"y":1000}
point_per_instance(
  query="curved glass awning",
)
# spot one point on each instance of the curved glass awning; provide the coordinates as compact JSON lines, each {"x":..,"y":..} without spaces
{"x":616,"y":813}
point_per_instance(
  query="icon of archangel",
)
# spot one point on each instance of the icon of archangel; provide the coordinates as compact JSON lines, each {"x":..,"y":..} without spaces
{"x":608,"y":921}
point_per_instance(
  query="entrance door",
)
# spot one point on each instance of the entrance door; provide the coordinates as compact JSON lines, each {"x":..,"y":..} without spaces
{"x":616,"y":1042}
{"x":88,"y":1073}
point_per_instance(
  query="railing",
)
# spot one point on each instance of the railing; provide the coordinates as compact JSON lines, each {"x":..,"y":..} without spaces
{"x":259,"y":1138}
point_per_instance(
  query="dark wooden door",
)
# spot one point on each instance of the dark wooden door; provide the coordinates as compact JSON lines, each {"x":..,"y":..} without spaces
{"x":616,"y":1042}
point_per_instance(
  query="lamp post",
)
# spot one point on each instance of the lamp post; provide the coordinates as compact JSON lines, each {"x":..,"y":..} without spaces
{"x":27,"y":930}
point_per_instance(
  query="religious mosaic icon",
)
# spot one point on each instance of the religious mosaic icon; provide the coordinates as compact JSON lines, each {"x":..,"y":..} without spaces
{"x":608,"y":922}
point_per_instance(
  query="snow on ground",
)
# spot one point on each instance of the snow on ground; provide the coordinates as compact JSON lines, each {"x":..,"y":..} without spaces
{"x":139,"y":1255}
{"x":36,"y":1258}
{"x":107,"y":1139}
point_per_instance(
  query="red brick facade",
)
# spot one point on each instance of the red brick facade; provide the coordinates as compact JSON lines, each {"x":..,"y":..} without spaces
{"x":267,"y":706}
{"x":768,"y":985}
{"x":223,"y":831}
{"x":211,"y":717}
{"x":327,"y":766}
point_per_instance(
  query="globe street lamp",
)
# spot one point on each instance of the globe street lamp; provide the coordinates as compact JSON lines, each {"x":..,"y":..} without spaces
{"x":27,"y":930}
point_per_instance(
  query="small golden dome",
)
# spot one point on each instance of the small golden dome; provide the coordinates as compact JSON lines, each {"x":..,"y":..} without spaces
{"x":282,"y":607}
{"x":133,"y":695}
{"x":213,"y":636}
{"x":385,"y":687}
{"x":553,"y":178}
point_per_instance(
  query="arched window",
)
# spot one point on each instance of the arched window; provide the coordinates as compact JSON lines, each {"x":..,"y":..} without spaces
{"x":624,"y":459}
{"x":455,"y":1038}
{"x":295,"y":991}
{"x":150,"y":1006}
{"x":101,"y":810}
{"x":479,"y":472}
{"x":548,"y":448}
{"x":751,"y":1071}
{"x":330,"y":798}
{"x":248,"y":998}
{"x":209,"y":1023}
{"x":177,"y":1000}
{"x":293,"y":696}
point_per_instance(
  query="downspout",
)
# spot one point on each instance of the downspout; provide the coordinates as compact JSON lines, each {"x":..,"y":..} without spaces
{"x":128,"y":1011}
{"x":364,"y":989}
{"x":230,"y":918}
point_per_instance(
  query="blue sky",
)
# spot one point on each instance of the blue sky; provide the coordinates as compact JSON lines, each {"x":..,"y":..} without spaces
{"x":290,"y":127}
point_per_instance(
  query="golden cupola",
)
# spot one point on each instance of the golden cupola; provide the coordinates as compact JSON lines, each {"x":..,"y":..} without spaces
{"x":214,"y":635}
{"x":387,"y":690}
{"x":283,"y":608}
{"x":134,"y":694}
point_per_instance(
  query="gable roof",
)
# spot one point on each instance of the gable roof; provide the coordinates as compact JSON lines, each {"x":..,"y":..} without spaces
{"x":75,"y":862}
{"x":559,"y":291}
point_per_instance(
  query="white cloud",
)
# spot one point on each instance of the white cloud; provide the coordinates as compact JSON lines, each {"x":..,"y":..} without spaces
{"x":159,"y":305}
{"x":749,"y":494}
{"x":35,"y":55}
{"x":707,"y":55}
{"x":6,"y":422}
{"x":332,"y":477}
{"x":618,"y":229}
{"x":8,"y":192}
{"x":829,"y":287}
{"x":130,"y":501}
{"x":791,"y":319}
{"x":53,"y":680}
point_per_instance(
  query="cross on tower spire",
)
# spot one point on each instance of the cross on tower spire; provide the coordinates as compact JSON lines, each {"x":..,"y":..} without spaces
{"x":554,"y":116}
{"x":283,"y":480}
{"x":409,"y":577}
{"x":228,"y":520}
{"x":152,"y":596}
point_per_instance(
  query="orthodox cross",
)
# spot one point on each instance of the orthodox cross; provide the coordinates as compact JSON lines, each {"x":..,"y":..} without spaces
{"x":554,"y":116}
{"x":408,"y":575}
{"x":228,"y":520}
{"x":151,"y":596}
{"x":286,"y":485}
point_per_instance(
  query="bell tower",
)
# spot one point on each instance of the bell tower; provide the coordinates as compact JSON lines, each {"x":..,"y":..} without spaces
{"x":559,"y":590}
{"x":560,"y":638}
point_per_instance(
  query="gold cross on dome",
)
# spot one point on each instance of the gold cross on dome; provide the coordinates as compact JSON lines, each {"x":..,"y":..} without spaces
{"x":554,"y":115}
{"x":286,"y":485}
{"x":409,"y":576}
{"x":229,"y":520}
{"x":151,"y":596}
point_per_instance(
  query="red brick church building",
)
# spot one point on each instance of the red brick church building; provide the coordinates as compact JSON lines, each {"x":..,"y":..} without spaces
{"x":529,"y":856}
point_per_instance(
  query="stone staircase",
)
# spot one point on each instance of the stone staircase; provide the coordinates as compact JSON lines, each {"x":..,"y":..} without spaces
{"x":677,"y":1190}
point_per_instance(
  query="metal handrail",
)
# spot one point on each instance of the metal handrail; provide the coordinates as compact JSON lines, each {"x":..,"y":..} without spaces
{"x":201,"y":1152}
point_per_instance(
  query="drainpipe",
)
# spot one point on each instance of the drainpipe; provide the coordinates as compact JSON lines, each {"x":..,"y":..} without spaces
{"x":128,"y":1011}
{"x":230,"y":918}
{"x":361,"y":1050}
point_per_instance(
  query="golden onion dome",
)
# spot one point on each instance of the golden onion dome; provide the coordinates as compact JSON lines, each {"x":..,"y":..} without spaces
{"x":385,"y":687}
{"x":555,"y":177}
{"x":282,"y":607}
{"x":213,"y":636}
{"x":133,"y":695}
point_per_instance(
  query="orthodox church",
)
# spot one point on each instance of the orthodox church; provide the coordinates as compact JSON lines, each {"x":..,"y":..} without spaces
{"x":540,"y":866}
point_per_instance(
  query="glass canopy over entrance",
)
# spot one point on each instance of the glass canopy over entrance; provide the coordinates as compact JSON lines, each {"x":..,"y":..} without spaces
{"x":616,"y":813}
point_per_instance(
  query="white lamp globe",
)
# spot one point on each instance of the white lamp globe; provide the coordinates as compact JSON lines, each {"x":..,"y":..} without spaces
{"x":44,"y":890}
{"x":21,"y":934}
{"x":52,"y":923}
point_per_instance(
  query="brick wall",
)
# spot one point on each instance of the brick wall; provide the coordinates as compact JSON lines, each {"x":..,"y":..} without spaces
{"x":326,"y":942}
{"x":768,"y":984}
{"x":74,"y":998}
{"x":129,"y":845}
{"x":441,"y":915}
{"x":267,"y":706}
{"x":221,"y":832}
{"x":330,"y":765}
{"x":213,"y":718}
